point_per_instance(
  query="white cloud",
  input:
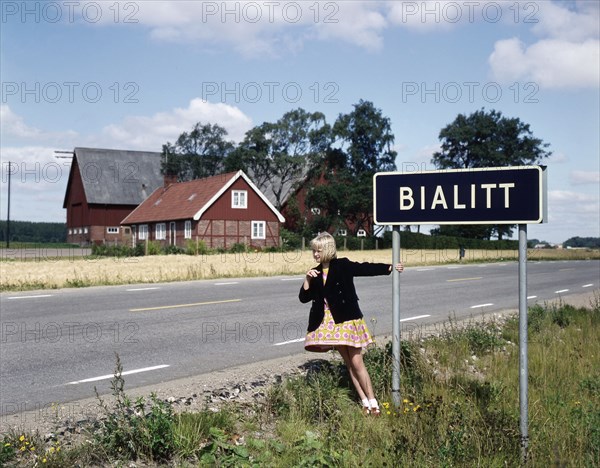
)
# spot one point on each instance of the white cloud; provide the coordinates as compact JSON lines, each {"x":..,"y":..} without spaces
{"x":584,"y":177}
{"x":551,"y":63}
{"x":566,"y":56}
{"x":13,"y":126}
{"x":150,"y":133}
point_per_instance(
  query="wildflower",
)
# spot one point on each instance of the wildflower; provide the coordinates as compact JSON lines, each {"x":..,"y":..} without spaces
{"x":385,"y":404}
{"x":417,"y":408}
{"x":44,"y":460}
{"x":405,"y":401}
{"x":51,"y":450}
{"x":388,"y":412}
{"x":22,"y":438}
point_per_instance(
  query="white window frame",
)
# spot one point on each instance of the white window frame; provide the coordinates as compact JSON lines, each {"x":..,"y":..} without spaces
{"x":361,"y":233}
{"x":342,"y":232}
{"x":85,"y":230}
{"x":239,"y":199}
{"x":143,"y":232}
{"x":259,"y":230}
{"x":70,"y":232}
{"x":160,"y":231}
{"x":112,"y":230}
{"x":188,"y":229}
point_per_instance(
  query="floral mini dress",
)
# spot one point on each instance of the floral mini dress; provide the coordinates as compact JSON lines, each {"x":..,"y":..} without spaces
{"x":330,"y":334}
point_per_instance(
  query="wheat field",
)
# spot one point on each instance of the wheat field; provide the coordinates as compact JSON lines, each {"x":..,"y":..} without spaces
{"x":52,"y":273}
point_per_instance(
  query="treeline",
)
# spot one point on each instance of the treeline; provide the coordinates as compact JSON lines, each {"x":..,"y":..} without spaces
{"x":28,"y":231}
{"x":583,"y":242}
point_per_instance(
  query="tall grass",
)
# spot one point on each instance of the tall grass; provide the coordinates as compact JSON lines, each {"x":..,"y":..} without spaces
{"x":39,"y":271}
{"x":460,"y":407}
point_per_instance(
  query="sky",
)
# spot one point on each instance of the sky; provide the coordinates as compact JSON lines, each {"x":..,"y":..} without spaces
{"x":136,"y":74}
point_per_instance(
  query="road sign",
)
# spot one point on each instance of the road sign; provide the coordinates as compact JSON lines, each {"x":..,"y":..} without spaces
{"x":494,"y":195}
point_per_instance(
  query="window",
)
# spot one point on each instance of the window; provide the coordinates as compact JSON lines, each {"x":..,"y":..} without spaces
{"x":70,"y":231}
{"x":342,"y":232}
{"x":315,"y":211}
{"x":112,"y":230}
{"x":188,"y":229}
{"x":85,"y":230}
{"x":239,"y":199}
{"x":143,"y":232}
{"x":161,"y":231}
{"x":361,"y":233}
{"x":258,"y":230}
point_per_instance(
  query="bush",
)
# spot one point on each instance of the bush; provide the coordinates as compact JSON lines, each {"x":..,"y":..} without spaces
{"x":135,"y":430}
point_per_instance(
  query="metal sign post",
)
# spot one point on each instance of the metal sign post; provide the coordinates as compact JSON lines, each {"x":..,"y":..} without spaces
{"x":396,"y":318}
{"x":523,"y":366}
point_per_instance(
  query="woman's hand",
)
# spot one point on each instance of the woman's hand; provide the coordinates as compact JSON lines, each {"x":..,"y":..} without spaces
{"x":399,"y":267}
{"x":310,"y":274}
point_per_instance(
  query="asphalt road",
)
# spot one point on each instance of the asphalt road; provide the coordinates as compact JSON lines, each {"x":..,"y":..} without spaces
{"x":55,"y":346}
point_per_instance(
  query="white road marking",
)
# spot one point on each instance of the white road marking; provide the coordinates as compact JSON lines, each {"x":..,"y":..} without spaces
{"x":481,"y":305}
{"x":224,"y":284}
{"x":415,"y":318}
{"x":531,"y":297}
{"x":110,"y":376}
{"x":292,"y":279}
{"x":588,"y":285}
{"x":561,"y":291}
{"x":30,"y":297}
{"x":453,"y":267}
{"x":140,"y":289}
{"x":425,"y":269}
{"x":297,"y":340}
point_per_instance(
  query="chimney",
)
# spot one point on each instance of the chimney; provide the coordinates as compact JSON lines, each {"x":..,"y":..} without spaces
{"x":169,"y":179}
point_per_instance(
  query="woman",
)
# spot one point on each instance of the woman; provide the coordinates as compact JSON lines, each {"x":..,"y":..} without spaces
{"x":336,"y":321}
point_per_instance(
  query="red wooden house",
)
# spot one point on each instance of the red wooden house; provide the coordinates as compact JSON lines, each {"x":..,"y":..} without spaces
{"x":220,"y":210}
{"x":104,"y":186}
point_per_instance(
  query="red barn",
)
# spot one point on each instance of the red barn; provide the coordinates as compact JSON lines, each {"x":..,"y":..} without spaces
{"x":104,"y":187}
{"x":221,"y":210}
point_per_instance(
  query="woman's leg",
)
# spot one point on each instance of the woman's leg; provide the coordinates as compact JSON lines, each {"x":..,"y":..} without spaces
{"x":360,"y":371}
{"x":343,"y":350}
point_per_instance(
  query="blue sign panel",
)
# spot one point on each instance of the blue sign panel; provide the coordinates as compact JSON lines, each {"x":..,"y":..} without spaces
{"x":496,"y":195}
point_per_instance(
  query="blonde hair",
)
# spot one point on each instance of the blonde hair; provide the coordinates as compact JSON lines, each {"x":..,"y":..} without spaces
{"x":326,"y":243}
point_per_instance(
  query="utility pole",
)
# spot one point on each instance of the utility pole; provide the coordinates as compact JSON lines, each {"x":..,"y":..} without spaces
{"x":8,"y":209}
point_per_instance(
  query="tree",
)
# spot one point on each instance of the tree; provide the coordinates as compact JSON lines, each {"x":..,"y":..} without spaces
{"x":488,"y":139}
{"x":278,"y":154}
{"x":197,"y":154}
{"x":364,"y":142}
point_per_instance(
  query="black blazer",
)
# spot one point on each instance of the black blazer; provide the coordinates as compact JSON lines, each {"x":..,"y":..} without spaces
{"x":338,"y":290}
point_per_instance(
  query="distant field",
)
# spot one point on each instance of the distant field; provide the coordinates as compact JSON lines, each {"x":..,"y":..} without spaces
{"x":51,"y":272}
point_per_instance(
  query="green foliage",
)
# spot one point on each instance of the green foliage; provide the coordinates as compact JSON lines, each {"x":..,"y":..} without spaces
{"x":196,"y":247}
{"x":583,"y":242}
{"x":197,"y":154}
{"x":172,"y":250}
{"x":132,"y":430}
{"x":27,"y":231}
{"x":238,"y":248}
{"x":416,"y":240}
{"x":192,"y":430}
{"x":118,"y":250}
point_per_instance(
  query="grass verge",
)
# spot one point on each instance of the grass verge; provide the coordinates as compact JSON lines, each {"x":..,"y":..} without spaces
{"x":460,"y":407}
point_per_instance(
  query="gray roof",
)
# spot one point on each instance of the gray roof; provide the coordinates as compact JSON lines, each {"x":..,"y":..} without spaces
{"x":118,"y":177}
